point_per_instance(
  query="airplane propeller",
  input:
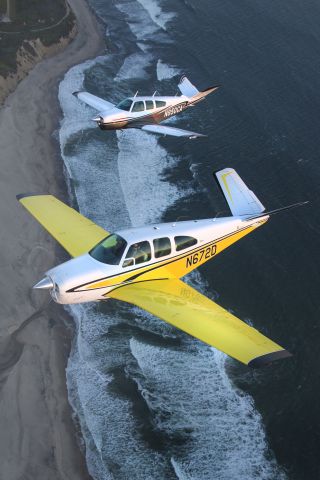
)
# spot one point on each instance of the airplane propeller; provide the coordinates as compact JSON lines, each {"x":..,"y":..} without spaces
{"x":97,"y":119}
{"x":45,"y":284}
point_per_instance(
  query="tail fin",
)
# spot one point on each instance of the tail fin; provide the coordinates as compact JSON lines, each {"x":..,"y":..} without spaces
{"x":189,"y":90}
{"x":240,"y":199}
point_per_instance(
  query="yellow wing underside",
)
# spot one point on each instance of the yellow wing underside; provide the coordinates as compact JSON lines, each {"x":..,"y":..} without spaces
{"x":76,"y":233}
{"x":182,"y":306}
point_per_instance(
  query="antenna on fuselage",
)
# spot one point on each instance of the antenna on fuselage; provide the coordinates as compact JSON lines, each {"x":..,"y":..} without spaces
{"x":136,"y":94}
{"x":156,"y":91}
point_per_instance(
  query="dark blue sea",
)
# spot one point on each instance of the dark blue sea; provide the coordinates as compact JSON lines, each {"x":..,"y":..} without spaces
{"x":153,"y":403}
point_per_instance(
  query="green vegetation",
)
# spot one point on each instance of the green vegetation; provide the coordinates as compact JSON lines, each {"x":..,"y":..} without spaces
{"x":48,"y":20}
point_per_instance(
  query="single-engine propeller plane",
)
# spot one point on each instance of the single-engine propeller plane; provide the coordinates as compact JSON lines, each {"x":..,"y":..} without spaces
{"x":146,"y":112}
{"x":143,"y":266}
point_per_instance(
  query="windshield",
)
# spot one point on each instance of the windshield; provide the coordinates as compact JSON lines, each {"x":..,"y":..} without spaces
{"x":110,"y":250}
{"x":125,"y":104}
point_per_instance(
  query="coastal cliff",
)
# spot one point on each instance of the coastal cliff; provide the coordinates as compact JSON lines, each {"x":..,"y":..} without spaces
{"x":35,"y":32}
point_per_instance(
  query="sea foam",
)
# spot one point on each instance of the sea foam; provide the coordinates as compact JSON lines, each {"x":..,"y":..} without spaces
{"x":212,"y":429}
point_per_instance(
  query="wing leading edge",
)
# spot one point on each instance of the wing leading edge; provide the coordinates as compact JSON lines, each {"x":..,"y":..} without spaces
{"x":76,"y":233}
{"x":94,"y":102}
{"x":175,"y":132}
{"x":182,"y":306}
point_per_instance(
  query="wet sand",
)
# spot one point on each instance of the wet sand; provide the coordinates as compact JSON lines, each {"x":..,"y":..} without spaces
{"x":37,"y":435}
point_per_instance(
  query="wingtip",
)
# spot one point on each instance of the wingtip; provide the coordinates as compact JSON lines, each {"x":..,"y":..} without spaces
{"x":197,"y":135}
{"x":20,"y":196}
{"x":215,"y":172}
{"x":23,"y":195}
{"x":269,"y":358}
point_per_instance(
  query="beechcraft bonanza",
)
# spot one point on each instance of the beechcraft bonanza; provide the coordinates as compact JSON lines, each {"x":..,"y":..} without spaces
{"x":143,"y":267}
{"x":146,"y":113}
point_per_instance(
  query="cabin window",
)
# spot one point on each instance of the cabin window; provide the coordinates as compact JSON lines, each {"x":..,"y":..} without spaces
{"x":110,"y":250}
{"x":183,"y":242}
{"x":149,"y":104}
{"x":138,"y":107}
{"x":139,"y":252}
{"x":125,"y":104}
{"x":162,"y":247}
{"x":160,"y":103}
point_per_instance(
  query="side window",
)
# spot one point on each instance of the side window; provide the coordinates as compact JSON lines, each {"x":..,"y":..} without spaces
{"x":184,"y":242}
{"x":138,"y":253}
{"x":162,"y":247}
{"x":149,"y":104}
{"x":138,"y":107}
{"x":160,"y":103}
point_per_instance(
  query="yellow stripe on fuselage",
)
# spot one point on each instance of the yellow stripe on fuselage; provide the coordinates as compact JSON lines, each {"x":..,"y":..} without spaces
{"x":178,"y":266}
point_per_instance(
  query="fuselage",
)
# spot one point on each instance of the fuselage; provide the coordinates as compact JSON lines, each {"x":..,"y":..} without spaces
{"x":156,"y":252}
{"x":138,"y":111}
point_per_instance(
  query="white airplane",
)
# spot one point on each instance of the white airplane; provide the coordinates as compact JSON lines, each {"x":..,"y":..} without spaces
{"x":142,"y":266}
{"x":146,"y":113}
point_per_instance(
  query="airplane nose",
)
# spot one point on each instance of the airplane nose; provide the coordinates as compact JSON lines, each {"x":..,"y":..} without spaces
{"x":97,"y":119}
{"x":45,"y":284}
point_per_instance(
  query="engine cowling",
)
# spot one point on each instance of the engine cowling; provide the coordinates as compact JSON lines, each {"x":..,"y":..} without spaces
{"x":67,"y":282}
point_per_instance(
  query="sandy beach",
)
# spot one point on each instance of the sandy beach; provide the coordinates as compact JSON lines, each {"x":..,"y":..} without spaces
{"x":37,"y":435}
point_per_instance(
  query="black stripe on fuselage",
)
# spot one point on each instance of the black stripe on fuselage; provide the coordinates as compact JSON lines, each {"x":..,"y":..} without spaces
{"x":121,"y":285}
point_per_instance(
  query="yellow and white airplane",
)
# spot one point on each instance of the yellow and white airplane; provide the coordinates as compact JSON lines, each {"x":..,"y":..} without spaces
{"x":143,"y":266}
{"x":146,"y":112}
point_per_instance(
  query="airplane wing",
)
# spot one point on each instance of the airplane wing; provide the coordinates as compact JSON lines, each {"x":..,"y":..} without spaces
{"x":176,"y":132}
{"x":76,"y":233}
{"x":182,"y":306}
{"x":95,"y":102}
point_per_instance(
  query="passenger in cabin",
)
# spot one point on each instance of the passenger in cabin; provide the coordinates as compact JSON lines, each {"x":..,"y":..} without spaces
{"x":139,"y":253}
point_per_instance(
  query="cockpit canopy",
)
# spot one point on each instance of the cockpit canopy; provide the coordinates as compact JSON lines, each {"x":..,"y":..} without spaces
{"x":140,"y":105}
{"x":125,"y":104}
{"x":110,"y":250}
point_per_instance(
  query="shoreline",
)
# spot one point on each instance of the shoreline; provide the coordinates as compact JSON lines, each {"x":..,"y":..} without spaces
{"x":38,"y":438}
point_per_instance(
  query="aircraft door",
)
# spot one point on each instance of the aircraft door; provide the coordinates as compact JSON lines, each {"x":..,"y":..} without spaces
{"x":138,"y":253}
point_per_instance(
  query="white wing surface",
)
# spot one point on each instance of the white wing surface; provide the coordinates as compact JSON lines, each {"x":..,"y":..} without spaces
{"x":175,"y":132}
{"x":241,"y":200}
{"x":95,"y":102}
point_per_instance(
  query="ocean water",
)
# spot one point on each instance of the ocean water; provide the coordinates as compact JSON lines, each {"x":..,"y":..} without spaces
{"x":153,"y":403}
